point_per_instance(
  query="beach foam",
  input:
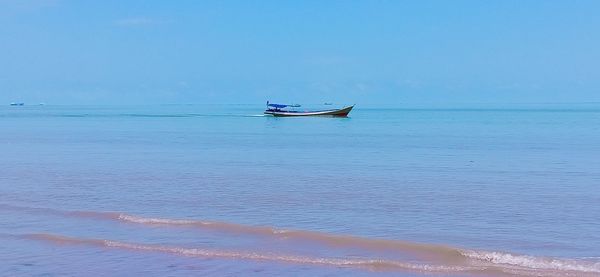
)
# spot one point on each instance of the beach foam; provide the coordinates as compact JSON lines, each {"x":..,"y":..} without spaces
{"x":533,"y":262}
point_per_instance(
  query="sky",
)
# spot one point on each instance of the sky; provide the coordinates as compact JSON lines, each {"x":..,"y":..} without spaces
{"x":371,"y":52}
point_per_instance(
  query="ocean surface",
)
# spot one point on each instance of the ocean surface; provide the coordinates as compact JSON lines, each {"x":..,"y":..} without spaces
{"x":201,"y":190}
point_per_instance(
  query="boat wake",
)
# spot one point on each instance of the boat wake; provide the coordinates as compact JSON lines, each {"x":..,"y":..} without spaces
{"x":424,"y":257}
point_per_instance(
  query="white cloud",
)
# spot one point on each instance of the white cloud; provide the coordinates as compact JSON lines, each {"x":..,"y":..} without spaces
{"x":135,"y":21}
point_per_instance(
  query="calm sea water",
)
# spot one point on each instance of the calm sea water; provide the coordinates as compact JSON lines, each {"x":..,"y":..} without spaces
{"x":180,"y":190}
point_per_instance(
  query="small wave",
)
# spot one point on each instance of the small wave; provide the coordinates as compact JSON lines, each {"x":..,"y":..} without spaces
{"x":144,"y":220}
{"x":430,"y":250}
{"x":373,"y":264}
{"x":533,"y":262}
{"x":445,"y":255}
{"x":58,"y":239}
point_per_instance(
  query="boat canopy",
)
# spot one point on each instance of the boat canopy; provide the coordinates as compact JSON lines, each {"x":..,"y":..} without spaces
{"x":278,"y":106}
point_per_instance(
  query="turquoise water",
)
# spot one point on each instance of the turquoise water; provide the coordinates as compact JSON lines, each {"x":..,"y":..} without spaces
{"x":183,"y":190}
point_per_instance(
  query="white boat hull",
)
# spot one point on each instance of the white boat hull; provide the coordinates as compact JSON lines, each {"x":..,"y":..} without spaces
{"x":343,"y":112}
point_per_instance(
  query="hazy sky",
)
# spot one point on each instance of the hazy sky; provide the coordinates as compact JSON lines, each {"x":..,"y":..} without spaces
{"x":392,"y":52}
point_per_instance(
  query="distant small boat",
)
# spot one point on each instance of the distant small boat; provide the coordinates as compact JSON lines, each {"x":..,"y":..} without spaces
{"x":17,"y":104}
{"x":278,"y":110}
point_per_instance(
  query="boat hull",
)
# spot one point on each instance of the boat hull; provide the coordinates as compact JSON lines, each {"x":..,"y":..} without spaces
{"x":343,"y":112}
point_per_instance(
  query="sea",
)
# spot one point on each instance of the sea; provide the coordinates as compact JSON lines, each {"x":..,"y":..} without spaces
{"x":222,"y":190}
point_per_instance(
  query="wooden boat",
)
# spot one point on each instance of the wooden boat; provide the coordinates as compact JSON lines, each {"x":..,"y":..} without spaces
{"x":278,"y":110}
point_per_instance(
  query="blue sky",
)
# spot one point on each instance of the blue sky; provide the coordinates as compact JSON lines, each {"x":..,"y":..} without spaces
{"x":372,"y":52}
